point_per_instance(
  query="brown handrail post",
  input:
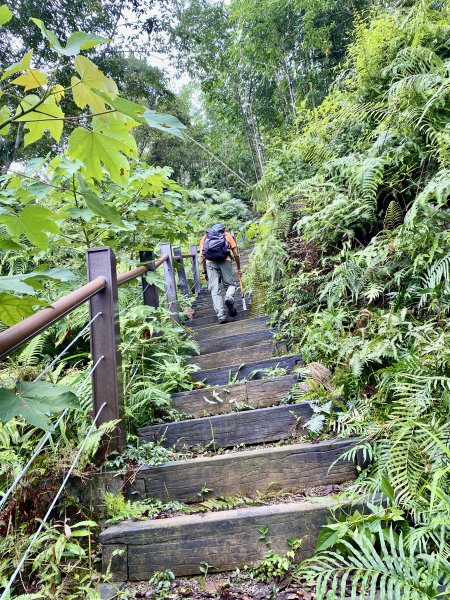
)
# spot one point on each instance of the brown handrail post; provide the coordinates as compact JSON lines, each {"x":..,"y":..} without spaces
{"x":105,"y":338}
{"x":169,"y":276}
{"x":196,"y":269}
{"x":182,"y":279}
{"x":149,"y":290}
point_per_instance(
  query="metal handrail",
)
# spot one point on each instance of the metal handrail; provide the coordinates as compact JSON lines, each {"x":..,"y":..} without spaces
{"x":17,"y":335}
{"x":133,"y":273}
{"x":162,"y":260}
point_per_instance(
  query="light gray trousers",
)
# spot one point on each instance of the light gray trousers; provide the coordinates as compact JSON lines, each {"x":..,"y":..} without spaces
{"x":217,"y":270}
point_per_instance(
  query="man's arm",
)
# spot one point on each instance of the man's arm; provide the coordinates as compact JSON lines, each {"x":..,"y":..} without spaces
{"x":238,"y":260}
{"x":202,"y":258}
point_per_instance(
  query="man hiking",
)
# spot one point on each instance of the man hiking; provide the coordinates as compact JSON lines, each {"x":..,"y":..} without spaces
{"x":216,"y":247}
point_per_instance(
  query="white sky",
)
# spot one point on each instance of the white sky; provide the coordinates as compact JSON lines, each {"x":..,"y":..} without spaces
{"x":157,"y":59}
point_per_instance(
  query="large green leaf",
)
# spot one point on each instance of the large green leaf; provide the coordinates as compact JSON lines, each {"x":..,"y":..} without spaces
{"x":34,"y":402}
{"x":4,"y":115}
{"x":16,"y":283}
{"x":90,"y":77}
{"x":23,"y":65}
{"x":55,"y":274}
{"x":47,"y":115}
{"x":167,"y":123}
{"x":5,"y":14}
{"x":15,"y":308}
{"x":32,"y":79}
{"x":154,"y":278}
{"x":77,"y":41}
{"x":108,"y":144}
{"x":33,"y":222}
{"x":98,"y":207}
{"x":8,"y":244}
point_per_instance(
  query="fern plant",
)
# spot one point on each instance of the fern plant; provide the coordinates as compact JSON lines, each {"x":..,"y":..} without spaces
{"x":377,"y":563}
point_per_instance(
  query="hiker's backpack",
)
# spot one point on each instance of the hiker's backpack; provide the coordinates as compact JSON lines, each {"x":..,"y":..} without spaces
{"x":215,"y":247}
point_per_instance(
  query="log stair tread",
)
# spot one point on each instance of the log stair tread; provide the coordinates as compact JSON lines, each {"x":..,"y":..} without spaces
{"x":225,"y":539}
{"x":259,"y":393}
{"x":242,"y":409}
{"x":267,"y":469}
{"x":225,"y":431}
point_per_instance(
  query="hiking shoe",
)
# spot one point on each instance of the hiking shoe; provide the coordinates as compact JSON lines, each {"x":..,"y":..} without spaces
{"x":229,"y":303}
{"x":223,"y":320}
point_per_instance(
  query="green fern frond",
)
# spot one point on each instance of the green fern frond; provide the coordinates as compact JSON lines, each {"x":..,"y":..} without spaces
{"x":394,"y":215}
{"x":383,"y":568}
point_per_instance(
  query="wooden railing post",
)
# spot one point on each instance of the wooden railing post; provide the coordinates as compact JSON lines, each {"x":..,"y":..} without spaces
{"x":149,"y":290}
{"x":196,"y":269}
{"x":105,"y":339}
{"x":169,"y":276}
{"x":182,"y":279}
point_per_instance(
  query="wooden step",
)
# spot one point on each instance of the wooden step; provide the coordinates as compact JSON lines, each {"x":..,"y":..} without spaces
{"x":206,"y":322}
{"x":235,"y":356}
{"x":227,"y":329}
{"x":235,"y":341}
{"x":224,"y":540}
{"x":252,"y":370}
{"x":213,"y":319}
{"x":289,"y":468}
{"x":248,"y":427}
{"x":207,"y":307}
{"x":208,"y":310}
{"x":221,"y":400}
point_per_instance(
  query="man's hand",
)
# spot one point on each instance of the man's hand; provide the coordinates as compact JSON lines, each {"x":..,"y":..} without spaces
{"x":205,"y":275}
{"x":239,"y":274}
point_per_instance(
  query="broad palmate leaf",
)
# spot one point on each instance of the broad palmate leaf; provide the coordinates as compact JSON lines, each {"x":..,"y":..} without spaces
{"x":109,"y":143}
{"x":35,"y":401}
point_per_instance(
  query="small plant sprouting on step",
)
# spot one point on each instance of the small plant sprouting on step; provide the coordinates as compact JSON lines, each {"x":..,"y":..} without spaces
{"x":220,"y":503}
{"x":294,"y":544}
{"x":232,"y":379}
{"x":264,"y":530}
{"x":241,"y":406}
{"x":150,"y":454}
{"x":117,"y":508}
{"x":161,"y":581}
{"x":204,"y":568}
{"x":268,"y":373}
{"x":277,"y":565}
{"x":205,"y":490}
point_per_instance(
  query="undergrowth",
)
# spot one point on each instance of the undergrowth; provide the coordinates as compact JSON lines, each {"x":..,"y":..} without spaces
{"x":352,"y":260}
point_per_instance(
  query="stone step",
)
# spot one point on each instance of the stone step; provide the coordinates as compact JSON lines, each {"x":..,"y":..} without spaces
{"x":236,"y":356}
{"x":289,"y":468}
{"x":221,"y":400}
{"x":220,"y":331}
{"x":252,"y":370}
{"x":235,"y":341}
{"x":134,"y":551}
{"x":249,"y":427}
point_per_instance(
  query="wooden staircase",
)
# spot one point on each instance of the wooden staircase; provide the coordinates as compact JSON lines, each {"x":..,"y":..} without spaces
{"x":243,"y":412}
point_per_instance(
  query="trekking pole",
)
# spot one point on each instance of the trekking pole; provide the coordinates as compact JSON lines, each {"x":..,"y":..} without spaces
{"x":244,"y":304}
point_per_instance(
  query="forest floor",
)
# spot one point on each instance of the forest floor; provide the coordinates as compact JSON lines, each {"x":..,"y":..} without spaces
{"x":233,"y":586}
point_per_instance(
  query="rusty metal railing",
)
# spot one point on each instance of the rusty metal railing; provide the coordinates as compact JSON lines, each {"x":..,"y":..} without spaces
{"x":101,"y":292}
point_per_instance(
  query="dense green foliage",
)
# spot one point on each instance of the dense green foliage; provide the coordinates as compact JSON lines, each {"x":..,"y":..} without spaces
{"x":353,"y":259}
{"x":340,"y":113}
{"x":89,"y":188}
{"x":256,"y":60}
